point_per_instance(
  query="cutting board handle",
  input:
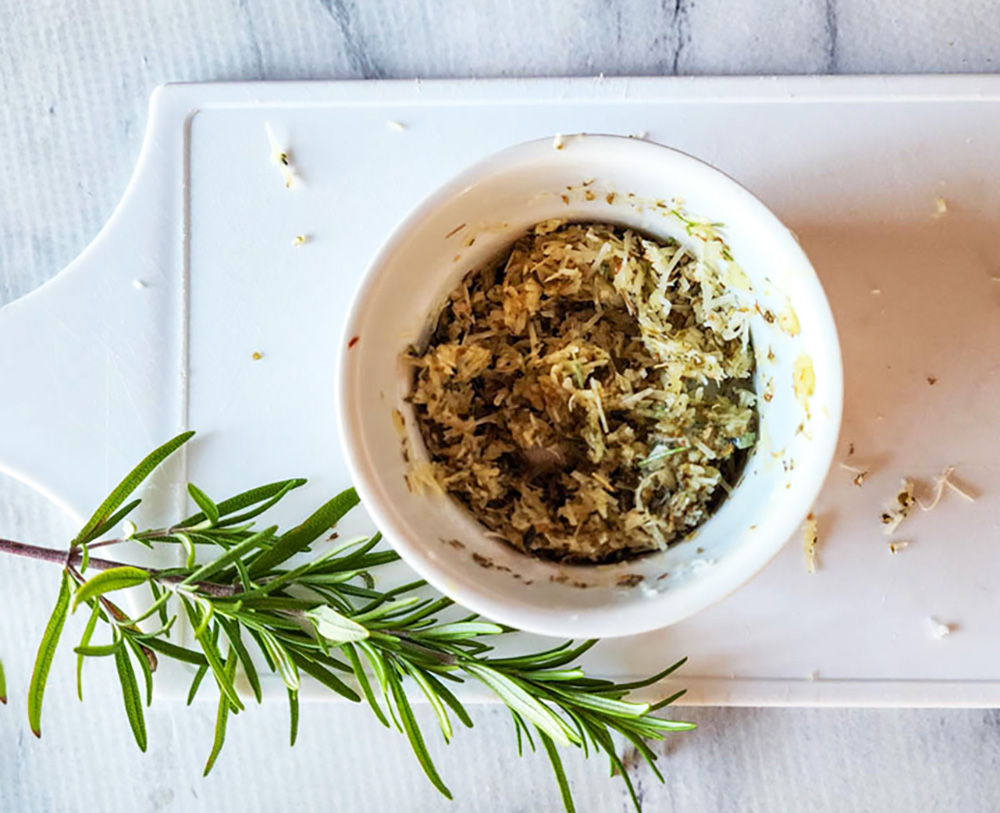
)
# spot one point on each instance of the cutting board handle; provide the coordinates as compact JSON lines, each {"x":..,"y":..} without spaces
{"x":86,"y":358}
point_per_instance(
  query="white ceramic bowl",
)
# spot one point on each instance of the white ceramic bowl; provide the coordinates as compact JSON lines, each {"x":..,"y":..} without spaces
{"x":496,"y":201}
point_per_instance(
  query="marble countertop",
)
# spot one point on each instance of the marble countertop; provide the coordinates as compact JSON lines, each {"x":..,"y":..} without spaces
{"x":75,"y":78}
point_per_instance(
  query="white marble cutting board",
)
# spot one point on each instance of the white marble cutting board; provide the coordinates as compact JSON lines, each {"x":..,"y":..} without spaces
{"x":152,"y":330}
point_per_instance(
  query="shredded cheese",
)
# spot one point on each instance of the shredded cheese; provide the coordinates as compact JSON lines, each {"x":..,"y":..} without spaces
{"x":279,"y":156}
{"x":420,"y":479}
{"x":810,"y":538}
{"x":941,"y":482}
{"x":859,"y":474}
{"x":804,"y":381}
{"x":900,"y":508}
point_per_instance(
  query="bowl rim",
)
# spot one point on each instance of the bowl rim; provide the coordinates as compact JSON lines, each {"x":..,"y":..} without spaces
{"x":611,"y":619}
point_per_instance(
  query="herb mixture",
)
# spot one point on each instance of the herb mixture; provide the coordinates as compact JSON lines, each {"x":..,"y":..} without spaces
{"x":589,"y":398}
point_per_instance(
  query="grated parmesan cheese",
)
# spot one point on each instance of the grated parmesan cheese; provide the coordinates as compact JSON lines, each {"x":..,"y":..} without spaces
{"x":941,"y":482}
{"x":589,"y":397}
{"x":859,"y":474}
{"x":810,"y":539}
{"x":900,"y":508}
{"x":279,"y":156}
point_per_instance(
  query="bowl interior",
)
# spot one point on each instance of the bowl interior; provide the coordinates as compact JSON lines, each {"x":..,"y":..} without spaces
{"x":468,"y":223}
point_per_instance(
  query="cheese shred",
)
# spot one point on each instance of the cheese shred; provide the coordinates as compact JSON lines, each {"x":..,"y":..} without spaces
{"x":810,"y":539}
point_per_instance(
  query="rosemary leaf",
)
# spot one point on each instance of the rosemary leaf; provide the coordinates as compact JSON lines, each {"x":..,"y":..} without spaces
{"x":129,"y":484}
{"x":199,"y":676}
{"x":305,"y":534}
{"x":205,"y":503}
{"x":222,"y":717}
{"x":293,"y":711}
{"x":412,"y":730}
{"x":46,"y":651}
{"x":88,"y":633}
{"x":130,"y":696}
{"x":557,"y":768}
{"x":117,"y":578}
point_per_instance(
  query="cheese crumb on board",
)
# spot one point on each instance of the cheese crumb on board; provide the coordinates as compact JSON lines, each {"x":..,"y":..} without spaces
{"x":900,"y":508}
{"x":810,"y":538}
{"x":557,"y":142}
{"x":859,"y":474}
{"x":138,"y":284}
{"x":938,"y":628}
{"x":279,"y":156}
{"x":896,"y":547}
{"x":300,"y":240}
{"x":940,"y":208}
{"x":398,"y":126}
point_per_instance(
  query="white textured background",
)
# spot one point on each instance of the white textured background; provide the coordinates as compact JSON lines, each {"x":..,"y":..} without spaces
{"x":75,"y":76}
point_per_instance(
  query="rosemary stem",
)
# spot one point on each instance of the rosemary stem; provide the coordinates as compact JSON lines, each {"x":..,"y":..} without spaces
{"x":74,"y":557}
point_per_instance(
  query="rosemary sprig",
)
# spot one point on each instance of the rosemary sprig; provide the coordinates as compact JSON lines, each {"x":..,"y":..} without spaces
{"x":250,"y":608}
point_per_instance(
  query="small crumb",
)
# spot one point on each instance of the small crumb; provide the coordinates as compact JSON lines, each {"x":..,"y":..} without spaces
{"x":850,"y":449}
{"x":938,"y":628}
{"x":900,"y":509}
{"x":859,"y":474}
{"x":813,"y":675}
{"x":300,"y":239}
{"x":610,"y":198}
{"x":557,"y":142}
{"x":641,"y":135}
{"x":280,"y":156}
{"x":896,"y":547}
{"x":398,"y":126}
{"x":940,"y":208}
{"x":876,"y":291}
{"x":810,"y":538}
{"x":138,"y":284}
{"x":354,"y":340}
{"x":256,"y":355}
{"x":931,"y":380}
